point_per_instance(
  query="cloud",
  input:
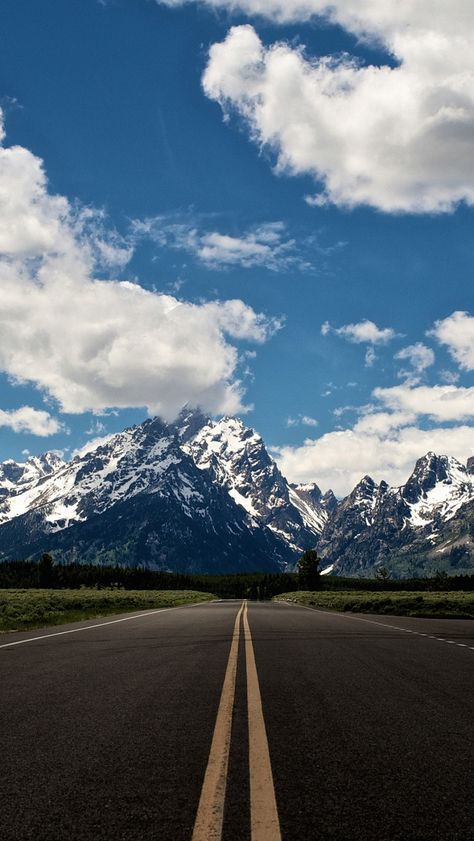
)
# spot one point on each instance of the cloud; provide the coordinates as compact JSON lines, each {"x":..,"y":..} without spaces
{"x":397,"y":138}
{"x":33,"y":421}
{"x":457,"y":333}
{"x":387,"y":436}
{"x":340,"y":459}
{"x":302,"y":420}
{"x":267,"y":245}
{"x":93,"y":344}
{"x":439,"y":402}
{"x":449,"y":376}
{"x":96,"y":428}
{"x":363,"y":332}
{"x":370,"y":357}
{"x":420,"y":357}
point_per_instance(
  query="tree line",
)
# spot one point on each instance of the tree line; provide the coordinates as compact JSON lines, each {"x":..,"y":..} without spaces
{"x":47,"y":573}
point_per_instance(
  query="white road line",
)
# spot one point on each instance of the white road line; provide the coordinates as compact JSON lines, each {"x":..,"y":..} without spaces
{"x":100,"y":624}
{"x":382,"y":624}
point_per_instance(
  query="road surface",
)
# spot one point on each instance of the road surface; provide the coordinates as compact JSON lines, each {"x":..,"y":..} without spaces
{"x":361,"y":727}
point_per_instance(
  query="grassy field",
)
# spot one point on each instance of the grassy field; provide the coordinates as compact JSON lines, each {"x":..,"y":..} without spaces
{"x":442,"y":605}
{"x":23,"y":609}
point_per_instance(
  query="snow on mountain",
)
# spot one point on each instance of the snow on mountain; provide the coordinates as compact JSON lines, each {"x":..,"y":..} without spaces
{"x":140,"y":482}
{"x":125,"y":465}
{"x":204,"y":494}
{"x":402,"y":527}
{"x":437,"y":488}
{"x":17,"y":479}
{"x":238,"y":459}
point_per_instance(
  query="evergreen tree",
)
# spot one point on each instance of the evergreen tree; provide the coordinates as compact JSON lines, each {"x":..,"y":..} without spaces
{"x":309,"y":573}
{"x":45,"y":570}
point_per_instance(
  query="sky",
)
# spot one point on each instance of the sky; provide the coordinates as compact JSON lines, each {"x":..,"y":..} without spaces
{"x":261,"y":208}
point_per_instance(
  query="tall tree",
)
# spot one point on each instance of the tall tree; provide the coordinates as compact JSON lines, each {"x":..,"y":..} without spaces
{"x":309,"y":573}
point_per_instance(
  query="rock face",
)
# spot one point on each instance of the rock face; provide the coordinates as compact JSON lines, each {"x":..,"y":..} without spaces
{"x":416,"y":529}
{"x":198,"y":495}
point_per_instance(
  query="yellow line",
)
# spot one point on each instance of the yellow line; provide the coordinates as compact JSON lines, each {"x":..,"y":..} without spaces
{"x":210,"y":814}
{"x":264,"y":822}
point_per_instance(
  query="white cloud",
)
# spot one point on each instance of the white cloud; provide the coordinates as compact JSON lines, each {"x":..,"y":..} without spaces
{"x":398,"y":138}
{"x":302,"y":420}
{"x":267,"y":245}
{"x":457,"y":333}
{"x":439,"y":402}
{"x":340,"y":459}
{"x":420,"y":357}
{"x":93,"y":344}
{"x":450,"y":377}
{"x":363,"y":332}
{"x":386,"y":439}
{"x":28,"y":419}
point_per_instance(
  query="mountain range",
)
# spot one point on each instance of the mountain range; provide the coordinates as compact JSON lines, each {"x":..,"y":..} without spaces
{"x":204,"y":495}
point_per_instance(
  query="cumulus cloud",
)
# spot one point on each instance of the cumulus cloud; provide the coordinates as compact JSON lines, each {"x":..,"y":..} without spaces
{"x":457,"y":333}
{"x":363,"y":332}
{"x":397,"y":138}
{"x":387,"y":436}
{"x":340,"y":459}
{"x":267,"y":245}
{"x":439,"y":402}
{"x":92,"y":344}
{"x":28,"y":419}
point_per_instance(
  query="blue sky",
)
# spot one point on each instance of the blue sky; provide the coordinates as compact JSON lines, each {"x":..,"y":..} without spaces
{"x":326,"y":182}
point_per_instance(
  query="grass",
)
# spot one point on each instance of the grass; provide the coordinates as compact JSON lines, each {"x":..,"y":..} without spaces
{"x":24,"y":609}
{"x":449,"y":605}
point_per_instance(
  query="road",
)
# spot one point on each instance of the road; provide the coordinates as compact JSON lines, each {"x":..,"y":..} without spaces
{"x":361,"y":727}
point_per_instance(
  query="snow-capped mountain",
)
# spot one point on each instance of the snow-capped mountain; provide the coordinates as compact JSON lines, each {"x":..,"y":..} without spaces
{"x":194,"y":495}
{"x":17,"y":478}
{"x":204,"y":495}
{"x":419,"y":527}
{"x":237,"y":458}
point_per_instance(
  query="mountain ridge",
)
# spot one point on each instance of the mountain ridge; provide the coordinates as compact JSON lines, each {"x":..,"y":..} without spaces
{"x":203,"y":494}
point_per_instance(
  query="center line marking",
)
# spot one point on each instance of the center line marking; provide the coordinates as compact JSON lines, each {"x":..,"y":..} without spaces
{"x":210,"y":814}
{"x":264,"y":821}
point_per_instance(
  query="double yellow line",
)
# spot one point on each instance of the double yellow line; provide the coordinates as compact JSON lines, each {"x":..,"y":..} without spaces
{"x":264,"y":822}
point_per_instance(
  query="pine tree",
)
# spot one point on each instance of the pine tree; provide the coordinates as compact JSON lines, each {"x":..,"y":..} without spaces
{"x":309,"y":574}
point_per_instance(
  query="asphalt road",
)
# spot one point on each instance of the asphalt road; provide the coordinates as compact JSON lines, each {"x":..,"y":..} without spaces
{"x":116,"y":732}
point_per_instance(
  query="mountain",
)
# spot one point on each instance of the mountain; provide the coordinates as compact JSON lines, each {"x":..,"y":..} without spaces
{"x":238,"y":460}
{"x":421,"y":527}
{"x":197,"y":495}
{"x":204,"y":495}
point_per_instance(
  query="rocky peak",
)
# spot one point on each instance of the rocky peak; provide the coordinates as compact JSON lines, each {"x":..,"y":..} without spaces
{"x":470,"y":465}
{"x":309,"y":491}
{"x":429,"y":471}
{"x":238,"y":458}
{"x":188,"y":423}
{"x":329,"y":501}
{"x":365,"y":490}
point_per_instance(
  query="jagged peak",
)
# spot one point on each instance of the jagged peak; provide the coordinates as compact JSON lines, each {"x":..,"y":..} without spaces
{"x":430,"y":470}
{"x":366,"y":482}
